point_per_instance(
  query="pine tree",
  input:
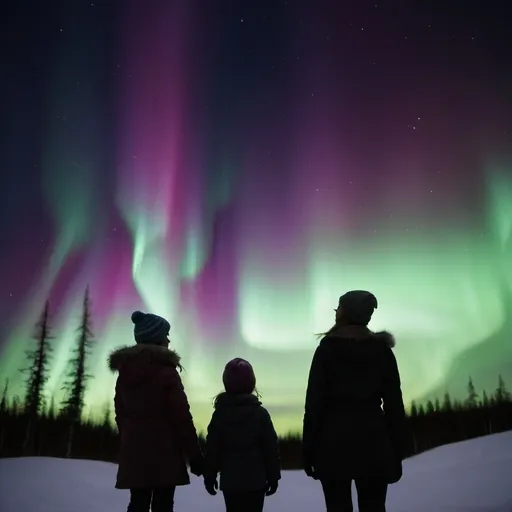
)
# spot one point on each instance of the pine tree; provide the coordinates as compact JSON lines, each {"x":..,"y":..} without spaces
{"x":447,"y":403}
{"x":52,"y":410}
{"x":501,"y":394}
{"x":38,"y":373}
{"x":15,"y":407}
{"x":472,"y":399}
{"x":76,"y":385}
{"x":414,"y":409}
{"x":107,"y":416}
{"x":437,"y":405}
{"x":485,"y":399}
{"x":3,"y":413}
{"x":430,"y":407}
{"x":421,"y":410}
{"x":3,"y":402}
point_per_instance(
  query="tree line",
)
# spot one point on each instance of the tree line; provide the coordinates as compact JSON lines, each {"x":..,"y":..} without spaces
{"x":31,"y":426}
{"x":33,"y":410}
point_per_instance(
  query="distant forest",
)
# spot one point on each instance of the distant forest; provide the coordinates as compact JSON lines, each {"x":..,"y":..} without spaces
{"x":31,"y":427}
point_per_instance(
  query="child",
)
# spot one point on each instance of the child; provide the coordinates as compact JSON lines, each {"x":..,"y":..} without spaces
{"x":153,"y":418}
{"x":241,"y":443}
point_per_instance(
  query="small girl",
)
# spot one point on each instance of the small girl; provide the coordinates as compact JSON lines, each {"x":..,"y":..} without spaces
{"x":241,"y":443}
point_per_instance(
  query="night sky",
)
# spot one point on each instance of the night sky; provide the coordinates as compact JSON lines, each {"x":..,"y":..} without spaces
{"x":237,"y":165}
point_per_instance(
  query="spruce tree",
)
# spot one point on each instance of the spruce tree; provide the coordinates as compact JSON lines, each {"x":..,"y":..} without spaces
{"x":107,"y":416}
{"x":414,"y":409}
{"x":15,"y":407}
{"x":38,"y":374}
{"x":3,"y":413}
{"x":430,"y":407}
{"x":485,"y":399}
{"x":447,"y":403}
{"x":472,"y":399}
{"x":76,"y":384}
{"x":502,"y":394}
{"x":51,"y":414}
{"x":437,"y":405}
{"x":3,"y":403}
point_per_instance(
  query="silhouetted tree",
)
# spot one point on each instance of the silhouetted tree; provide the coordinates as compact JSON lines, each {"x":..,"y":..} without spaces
{"x":414,"y":409}
{"x":3,"y":413}
{"x":421,"y":410}
{"x":52,"y":412}
{"x":485,"y":399}
{"x":501,"y":394}
{"x":77,"y":377}
{"x":472,"y":399}
{"x":38,"y":373}
{"x":430,"y":407}
{"x":3,"y":402}
{"x":447,"y":403}
{"x":15,"y":407}
{"x":107,"y":416}
{"x":437,"y":405}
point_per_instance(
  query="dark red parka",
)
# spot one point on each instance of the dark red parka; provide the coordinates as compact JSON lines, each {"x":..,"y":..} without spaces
{"x":157,"y":433}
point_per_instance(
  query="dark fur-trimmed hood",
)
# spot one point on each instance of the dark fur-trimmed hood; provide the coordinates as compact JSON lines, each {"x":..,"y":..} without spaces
{"x":153,"y":354}
{"x":361,"y":335}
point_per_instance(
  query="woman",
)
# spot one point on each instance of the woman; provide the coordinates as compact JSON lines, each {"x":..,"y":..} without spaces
{"x":355,"y":427}
{"x":157,"y":433}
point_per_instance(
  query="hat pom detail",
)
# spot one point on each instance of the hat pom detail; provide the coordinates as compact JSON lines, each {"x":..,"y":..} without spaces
{"x":137,"y":316}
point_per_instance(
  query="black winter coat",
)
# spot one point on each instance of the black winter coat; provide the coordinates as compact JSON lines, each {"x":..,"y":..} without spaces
{"x":242,"y":445}
{"x":354,"y":423}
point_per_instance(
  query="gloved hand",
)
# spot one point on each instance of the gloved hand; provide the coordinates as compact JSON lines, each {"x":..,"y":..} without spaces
{"x":211,"y":485}
{"x":310,"y":471}
{"x":197,"y":466}
{"x":271,"y":488}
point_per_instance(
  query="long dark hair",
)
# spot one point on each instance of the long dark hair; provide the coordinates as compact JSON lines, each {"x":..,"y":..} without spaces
{"x":332,"y":330}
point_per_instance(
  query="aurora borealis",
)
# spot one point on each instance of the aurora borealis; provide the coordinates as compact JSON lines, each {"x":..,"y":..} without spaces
{"x":235,"y":168}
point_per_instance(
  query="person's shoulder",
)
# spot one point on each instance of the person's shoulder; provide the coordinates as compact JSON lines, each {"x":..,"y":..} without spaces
{"x":153,"y":355}
{"x":263,"y":413}
{"x":384,"y":338}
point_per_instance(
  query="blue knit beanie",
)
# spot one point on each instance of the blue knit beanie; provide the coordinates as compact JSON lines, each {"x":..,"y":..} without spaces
{"x":149,"y":328}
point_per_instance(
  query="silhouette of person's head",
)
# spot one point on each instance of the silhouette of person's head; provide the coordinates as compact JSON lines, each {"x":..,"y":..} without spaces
{"x":356,"y":308}
{"x":238,"y":377}
{"x":150,"y":329}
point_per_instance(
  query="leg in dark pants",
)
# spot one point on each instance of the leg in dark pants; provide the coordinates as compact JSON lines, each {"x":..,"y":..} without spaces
{"x":158,"y":500}
{"x":140,"y":500}
{"x":338,"y":495}
{"x":249,"y":501}
{"x":163,"y":499}
{"x":371,"y":495}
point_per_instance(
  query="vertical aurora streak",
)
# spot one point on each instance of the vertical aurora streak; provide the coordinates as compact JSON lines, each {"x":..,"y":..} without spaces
{"x":239,"y":195}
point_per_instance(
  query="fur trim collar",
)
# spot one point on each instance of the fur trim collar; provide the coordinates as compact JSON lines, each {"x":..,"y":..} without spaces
{"x":363,"y":333}
{"x":153,"y":353}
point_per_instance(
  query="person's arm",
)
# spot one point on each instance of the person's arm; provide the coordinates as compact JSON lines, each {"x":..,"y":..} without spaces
{"x":393,"y":406}
{"x":270,"y":448}
{"x":315,"y":400}
{"x":180,"y":414}
{"x":213,"y":448}
{"x":118,"y":407}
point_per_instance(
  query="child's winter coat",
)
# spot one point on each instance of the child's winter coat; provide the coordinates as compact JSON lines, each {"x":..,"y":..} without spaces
{"x":242,"y":445}
{"x":157,"y":433}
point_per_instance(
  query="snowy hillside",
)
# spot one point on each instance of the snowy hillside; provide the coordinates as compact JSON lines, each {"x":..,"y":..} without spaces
{"x":471,"y":476}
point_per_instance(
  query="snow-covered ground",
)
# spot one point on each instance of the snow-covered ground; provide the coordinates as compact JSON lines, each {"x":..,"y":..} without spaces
{"x":472,"y":476}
